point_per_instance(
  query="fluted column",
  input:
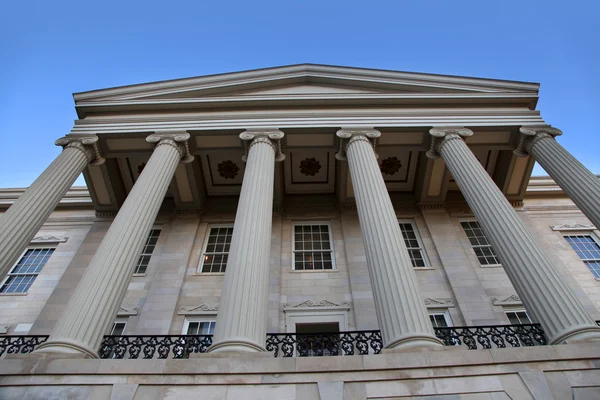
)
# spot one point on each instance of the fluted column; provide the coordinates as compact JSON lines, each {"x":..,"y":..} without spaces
{"x":578,"y":182}
{"x":95,"y":303}
{"x":20,"y":223}
{"x":537,"y":282}
{"x":401,"y":312}
{"x":242,"y":318}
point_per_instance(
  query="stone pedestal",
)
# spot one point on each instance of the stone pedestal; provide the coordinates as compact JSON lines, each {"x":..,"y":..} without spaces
{"x":544,"y":293}
{"x":20,"y":223}
{"x":242,"y":318}
{"x":580,"y":184}
{"x":95,"y":303}
{"x":402,"y":316}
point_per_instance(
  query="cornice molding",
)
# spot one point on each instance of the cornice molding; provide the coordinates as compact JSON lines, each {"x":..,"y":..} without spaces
{"x":200,"y":309}
{"x":512,"y":300}
{"x":439,"y":303}
{"x":48,"y":239}
{"x":310,"y":305}
{"x":573,"y":227}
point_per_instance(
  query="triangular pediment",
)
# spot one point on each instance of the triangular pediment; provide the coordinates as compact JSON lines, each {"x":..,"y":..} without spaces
{"x":302,"y":81}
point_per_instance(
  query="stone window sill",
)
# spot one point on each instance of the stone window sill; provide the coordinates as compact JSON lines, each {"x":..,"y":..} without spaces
{"x":209,"y":273}
{"x":491,"y":266}
{"x":14,"y":294}
{"x":144,"y":274}
{"x":299,"y":271}
{"x":423,"y":268}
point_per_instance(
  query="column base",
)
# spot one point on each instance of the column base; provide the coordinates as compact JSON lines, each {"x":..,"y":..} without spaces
{"x":65,"y":347}
{"x":243,"y":346}
{"x":413,"y":341}
{"x":581,"y":333}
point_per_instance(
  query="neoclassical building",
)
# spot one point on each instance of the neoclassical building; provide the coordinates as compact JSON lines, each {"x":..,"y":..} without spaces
{"x":304,"y":232}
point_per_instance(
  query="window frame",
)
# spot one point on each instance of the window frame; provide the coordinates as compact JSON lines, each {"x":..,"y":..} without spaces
{"x":188,"y":320}
{"x":517,"y":310}
{"x":331,"y":249}
{"x":419,"y":241}
{"x":498,"y":265}
{"x":154,"y":228}
{"x":10,"y":273}
{"x":205,"y":245}
{"x":594,"y":238}
{"x":115,"y":322}
{"x":445,"y":314}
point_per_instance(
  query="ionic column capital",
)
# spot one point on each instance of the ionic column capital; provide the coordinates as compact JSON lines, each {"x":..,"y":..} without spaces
{"x":443,"y":134}
{"x":177,"y":139}
{"x":88,"y":144}
{"x":271,"y":137}
{"x":352,"y":135}
{"x":530,"y":135}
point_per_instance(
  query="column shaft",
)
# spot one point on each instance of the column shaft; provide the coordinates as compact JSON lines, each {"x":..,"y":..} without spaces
{"x":20,"y":223}
{"x":538,"y":283}
{"x":401,"y":312}
{"x":242,"y":318}
{"x":95,"y":303}
{"x":580,"y":184}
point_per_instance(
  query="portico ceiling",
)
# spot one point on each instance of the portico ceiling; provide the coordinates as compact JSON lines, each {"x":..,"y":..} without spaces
{"x":309,"y":103}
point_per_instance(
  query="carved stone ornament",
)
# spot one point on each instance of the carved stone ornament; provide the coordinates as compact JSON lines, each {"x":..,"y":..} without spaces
{"x":200,"y":309}
{"x":272,"y":137}
{"x":440,"y":135}
{"x":177,"y":139}
{"x":390,"y":165}
{"x":228,"y":169}
{"x":512,"y":300}
{"x":530,"y":135}
{"x":86,"y":143}
{"x":350,"y":135}
{"x":573,"y":227}
{"x":127,"y":312}
{"x":310,"y":166}
{"x":440,"y":303}
{"x":311,"y":305}
{"x":48,"y":239}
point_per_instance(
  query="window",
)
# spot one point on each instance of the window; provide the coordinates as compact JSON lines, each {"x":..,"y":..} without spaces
{"x":216,"y":249}
{"x":483,"y":249}
{"x":118,"y":327}
{"x":588,"y":250}
{"x":142,"y":264}
{"x":518,"y":317}
{"x":21,"y":277}
{"x":414,"y":245}
{"x":191,"y":327}
{"x":440,"y":319}
{"x":318,"y":339}
{"x":312,"y":247}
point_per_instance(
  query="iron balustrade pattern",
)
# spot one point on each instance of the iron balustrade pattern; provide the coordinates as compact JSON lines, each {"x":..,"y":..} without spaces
{"x":20,"y":344}
{"x":494,"y":336}
{"x":165,"y":346}
{"x":324,"y":344}
{"x":293,"y":345}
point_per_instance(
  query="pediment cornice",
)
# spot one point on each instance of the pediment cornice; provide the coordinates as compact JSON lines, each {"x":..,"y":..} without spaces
{"x":279,"y":83}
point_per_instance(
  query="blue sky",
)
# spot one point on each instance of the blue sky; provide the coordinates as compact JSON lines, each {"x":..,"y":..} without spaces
{"x":51,"y":49}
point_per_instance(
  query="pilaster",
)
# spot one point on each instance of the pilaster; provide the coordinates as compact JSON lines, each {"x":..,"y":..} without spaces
{"x":537,"y":282}
{"x":242,"y":318}
{"x":26,"y":216}
{"x":95,"y":303}
{"x":580,"y":184}
{"x":402,"y":316}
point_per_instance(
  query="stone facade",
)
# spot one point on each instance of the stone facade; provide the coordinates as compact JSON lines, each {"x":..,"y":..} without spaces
{"x":358,"y":184}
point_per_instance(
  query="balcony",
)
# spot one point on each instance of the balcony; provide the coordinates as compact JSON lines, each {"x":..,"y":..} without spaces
{"x":292,"y":345}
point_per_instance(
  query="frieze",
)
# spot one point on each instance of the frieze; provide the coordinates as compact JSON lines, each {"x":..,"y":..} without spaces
{"x":433,"y":303}
{"x":127,"y":312}
{"x":323,"y":304}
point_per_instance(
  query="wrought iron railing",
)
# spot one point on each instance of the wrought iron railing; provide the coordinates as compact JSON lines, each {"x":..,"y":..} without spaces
{"x":324,"y":344}
{"x":167,"y":346}
{"x":494,"y":336}
{"x":20,"y":344}
{"x":293,"y":345}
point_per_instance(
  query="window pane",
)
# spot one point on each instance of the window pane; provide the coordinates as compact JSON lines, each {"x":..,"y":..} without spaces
{"x":118,"y":328}
{"x":411,"y":241}
{"x":217,"y":248}
{"x":147,"y":251}
{"x":312,"y":247}
{"x":588,"y":250}
{"x":483,"y":250}
{"x":22,"y":276}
